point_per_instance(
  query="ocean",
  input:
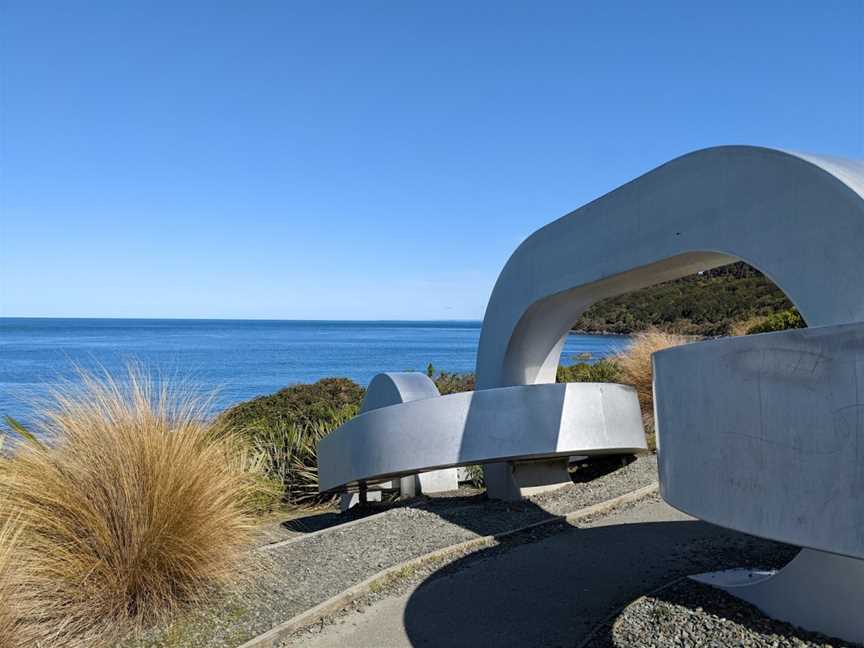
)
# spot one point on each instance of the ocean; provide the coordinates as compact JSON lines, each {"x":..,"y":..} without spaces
{"x":238,"y":359}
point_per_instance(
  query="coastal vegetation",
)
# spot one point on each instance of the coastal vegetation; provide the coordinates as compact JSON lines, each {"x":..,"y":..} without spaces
{"x":789,"y":318}
{"x":324,"y":402}
{"x":710,"y":303}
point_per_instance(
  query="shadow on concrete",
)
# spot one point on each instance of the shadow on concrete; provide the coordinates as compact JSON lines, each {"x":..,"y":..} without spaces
{"x":555,"y":591}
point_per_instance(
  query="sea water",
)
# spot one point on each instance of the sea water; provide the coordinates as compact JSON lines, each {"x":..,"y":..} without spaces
{"x":239,"y":359}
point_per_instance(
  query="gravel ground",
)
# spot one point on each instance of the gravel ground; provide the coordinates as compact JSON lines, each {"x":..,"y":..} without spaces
{"x":684,"y":613}
{"x":278,"y":583}
{"x":687,"y":613}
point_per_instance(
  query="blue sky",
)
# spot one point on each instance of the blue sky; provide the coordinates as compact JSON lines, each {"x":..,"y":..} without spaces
{"x":368,"y":160}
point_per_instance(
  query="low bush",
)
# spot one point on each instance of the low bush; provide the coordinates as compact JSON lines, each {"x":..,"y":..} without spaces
{"x":605,"y":370}
{"x":291,"y":456}
{"x":452,"y":383}
{"x":324,"y":402}
{"x":785,"y":319}
{"x":133,"y":510}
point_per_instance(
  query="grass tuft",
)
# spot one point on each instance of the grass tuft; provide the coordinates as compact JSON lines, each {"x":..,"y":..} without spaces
{"x":133,"y":509}
{"x":635,"y":366}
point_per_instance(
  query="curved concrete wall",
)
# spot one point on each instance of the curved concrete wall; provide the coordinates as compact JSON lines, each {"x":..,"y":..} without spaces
{"x":396,"y":387}
{"x":774,"y":423}
{"x":473,"y":427}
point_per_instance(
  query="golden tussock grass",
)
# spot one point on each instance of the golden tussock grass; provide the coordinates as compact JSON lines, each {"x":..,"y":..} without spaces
{"x":14,"y":630}
{"x":740,"y":328}
{"x":133,"y":509}
{"x":635,"y":363}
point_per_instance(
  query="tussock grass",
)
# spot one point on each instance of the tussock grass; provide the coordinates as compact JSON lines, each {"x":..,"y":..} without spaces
{"x":15,"y":632}
{"x":134,"y":509}
{"x":635,"y":367}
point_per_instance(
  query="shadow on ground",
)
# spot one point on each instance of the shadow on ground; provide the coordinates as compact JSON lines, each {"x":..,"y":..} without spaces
{"x":463,"y":507}
{"x":553,"y":593}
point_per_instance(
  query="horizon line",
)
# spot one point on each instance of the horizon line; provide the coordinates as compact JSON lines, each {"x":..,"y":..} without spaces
{"x":224,"y":319}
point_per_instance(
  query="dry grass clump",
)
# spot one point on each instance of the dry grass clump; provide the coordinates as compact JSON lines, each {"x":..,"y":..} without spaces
{"x":15,"y":631}
{"x":133,"y":509}
{"x":741,"y":328}
{"x":636,"y":369}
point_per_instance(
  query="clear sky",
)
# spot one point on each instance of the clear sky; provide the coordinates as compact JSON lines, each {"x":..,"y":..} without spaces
{"x":368,"y":160}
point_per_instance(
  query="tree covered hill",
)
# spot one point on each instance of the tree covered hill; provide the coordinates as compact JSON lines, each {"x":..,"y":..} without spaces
{"x":709,"y":303}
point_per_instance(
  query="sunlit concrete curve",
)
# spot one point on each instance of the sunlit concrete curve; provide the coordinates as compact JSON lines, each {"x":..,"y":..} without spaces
{"x":798,"y":218}
{"x":393,"y":388}
{"x":474,"y":427}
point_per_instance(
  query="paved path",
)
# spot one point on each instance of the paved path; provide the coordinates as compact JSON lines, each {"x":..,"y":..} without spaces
{"x":547,"y":593}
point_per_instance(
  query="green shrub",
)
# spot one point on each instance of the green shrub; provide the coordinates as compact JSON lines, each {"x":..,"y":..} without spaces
{"x":785,"y":319}
{"x":452,"y":383}
{"x":605,"y":370}
{"x":709,"y":303}
{"x":291,"y":457}
{"x":325,"y":401}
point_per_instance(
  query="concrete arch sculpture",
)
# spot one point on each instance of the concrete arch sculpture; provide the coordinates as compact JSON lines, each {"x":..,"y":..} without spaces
{"x":799,"y":219}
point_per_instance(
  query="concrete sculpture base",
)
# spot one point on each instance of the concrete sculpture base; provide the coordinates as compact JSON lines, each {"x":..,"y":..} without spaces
{"x":817,"y":591}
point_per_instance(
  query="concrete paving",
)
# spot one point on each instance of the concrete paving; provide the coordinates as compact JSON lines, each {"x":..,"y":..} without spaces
{"x":546,"y":593}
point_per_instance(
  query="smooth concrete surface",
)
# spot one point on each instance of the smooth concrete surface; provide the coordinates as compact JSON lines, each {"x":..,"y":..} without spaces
{"x":798,"y":218}
{"x":547,"y":593}
{"x":476,"y":427}
{"x":393,"y":388}
{"x":765,"y":434}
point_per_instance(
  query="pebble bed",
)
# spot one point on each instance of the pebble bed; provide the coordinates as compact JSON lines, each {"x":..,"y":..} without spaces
{"x":280,"y":582}
{"x":688,"y":613}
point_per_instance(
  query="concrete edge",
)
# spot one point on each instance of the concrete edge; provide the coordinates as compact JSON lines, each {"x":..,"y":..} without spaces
{"x":346,"y":597}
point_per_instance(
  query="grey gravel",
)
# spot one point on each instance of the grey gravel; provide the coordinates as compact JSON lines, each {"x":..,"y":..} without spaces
{"x":688,"y":613}
{"x":280,"y":582}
